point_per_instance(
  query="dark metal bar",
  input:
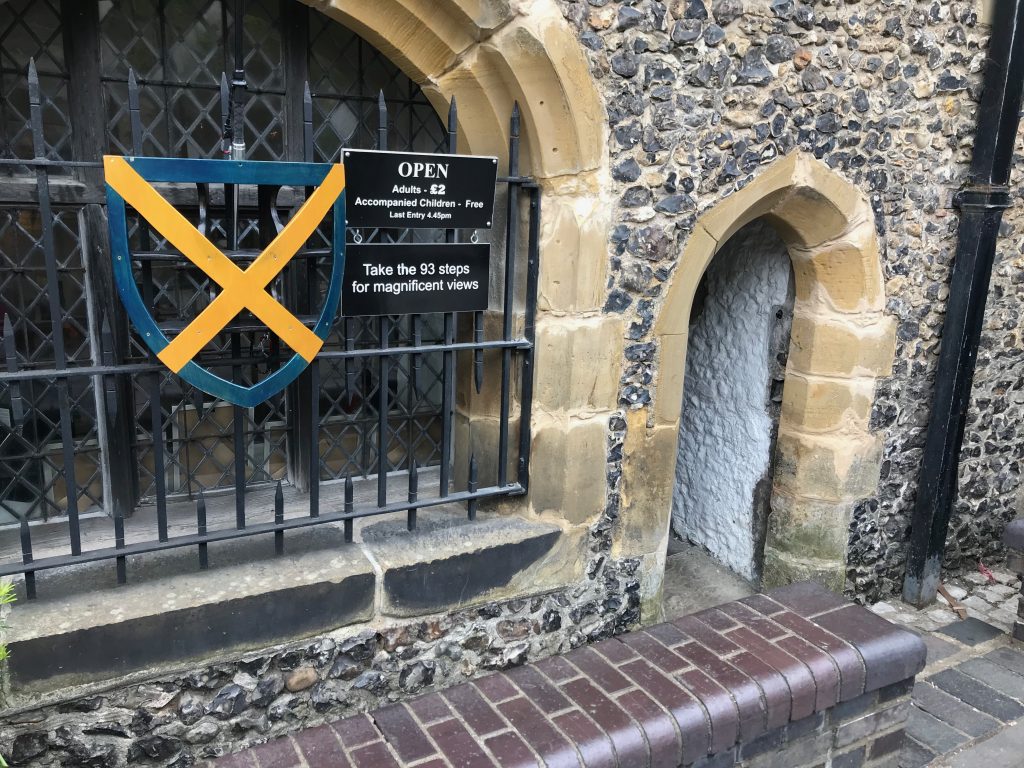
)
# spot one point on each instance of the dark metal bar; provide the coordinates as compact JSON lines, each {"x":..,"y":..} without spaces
{"x":278,"y":519}
{"x":382,"y":122}
{"x":447,"y":401}
{"x":350,"y":352}
{"x":383,"y":367}
{"x":148,"y":294}
{"x":414,"y":482}
{"x":238,"y":84}
{"x":26,"y":558}
{"x":225,"y":116}
{"x":981,"y":203}
{"x":448,"y":357}
{"x":532,"y":279}
{"x":471,"y":486}
{"x":295,"y":37}
{"x":314,"y":438}
{"x":349,"y":507}
{"x":11,"y":359}
{"x":383,"y":406}
{"x":204,"y":555}
{"x":110,"y":401}
{"x":94,"y":370}
{"x":307,"y":123}
{"x":417,"y":361}
{"x":238,"y":437}
{"x":511,"y":247}
{"x":56,"y":314}
{"x":228,"y":534}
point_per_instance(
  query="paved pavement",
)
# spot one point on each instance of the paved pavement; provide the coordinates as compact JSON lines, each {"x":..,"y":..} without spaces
{"x":968,"y":703}
{"x":970,"y":697}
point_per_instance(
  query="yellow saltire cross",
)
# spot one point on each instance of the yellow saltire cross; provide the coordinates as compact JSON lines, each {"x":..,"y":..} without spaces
{"x":239,"y":289}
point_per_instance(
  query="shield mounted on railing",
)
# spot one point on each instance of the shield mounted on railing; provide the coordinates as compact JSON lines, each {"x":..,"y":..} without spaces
{"x":129,"y":182}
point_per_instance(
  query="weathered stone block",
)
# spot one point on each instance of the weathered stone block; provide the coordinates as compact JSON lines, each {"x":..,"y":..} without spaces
{"x":844,"y":276}
{"x":579,"y":362}
{"x":817,"y":404}
{"x":840,"y":467}
{"x":242,"y":602}
{"x":574,"y":237}
{"x":648,"y":474}
{"x":832,"y":347}
{"x":770,"y":187}
{"x":567,"y":475}
{"x":809,"y":528}
{"x":668,"y":400}
{"x":781,"y":568}
{"x":451,"y":563}
{"x":478,"y":436}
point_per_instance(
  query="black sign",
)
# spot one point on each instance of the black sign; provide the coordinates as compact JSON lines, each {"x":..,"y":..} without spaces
{"x":405,"y":189}
{"x":393,"y":279}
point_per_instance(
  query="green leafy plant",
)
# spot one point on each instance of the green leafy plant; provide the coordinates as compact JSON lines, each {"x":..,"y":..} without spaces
{"x":7,"y":597}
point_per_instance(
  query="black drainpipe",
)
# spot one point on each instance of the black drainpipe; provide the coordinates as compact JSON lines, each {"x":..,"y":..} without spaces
{"x":981,"y":202}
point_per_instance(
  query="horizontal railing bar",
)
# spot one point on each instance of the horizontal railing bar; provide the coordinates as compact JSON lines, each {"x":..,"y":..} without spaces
{"x":99,"y":370}
{"x":227,"y":534}
{"x":529,"y":180}
{"x":242,"y":254}
{"x":41,"y":162}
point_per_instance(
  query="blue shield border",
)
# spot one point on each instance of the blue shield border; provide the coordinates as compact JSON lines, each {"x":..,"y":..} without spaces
{"x":157,"y":169}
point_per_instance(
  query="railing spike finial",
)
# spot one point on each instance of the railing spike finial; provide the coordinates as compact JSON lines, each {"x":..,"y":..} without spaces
{"x":382,"y":121}
{"x":516,"y":119}
{"x":33,"y":81}
{"x":133,"y":89}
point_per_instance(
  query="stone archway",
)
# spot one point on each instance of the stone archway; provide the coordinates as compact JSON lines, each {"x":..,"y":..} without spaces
{"x":489,"y":54}
{"x":841,"y":341}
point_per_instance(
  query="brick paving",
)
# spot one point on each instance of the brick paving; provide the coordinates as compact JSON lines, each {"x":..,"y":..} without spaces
{"x":799,"y":668}
{"x":967,"y":701}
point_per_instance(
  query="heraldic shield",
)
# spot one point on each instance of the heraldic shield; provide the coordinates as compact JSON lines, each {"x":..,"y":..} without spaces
{"x":129,"y":183}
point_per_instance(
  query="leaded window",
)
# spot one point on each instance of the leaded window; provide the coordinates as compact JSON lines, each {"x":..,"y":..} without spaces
{"x":177,"y":51}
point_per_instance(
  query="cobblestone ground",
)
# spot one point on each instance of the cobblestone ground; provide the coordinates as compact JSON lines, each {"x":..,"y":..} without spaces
{"x":969,"y":698}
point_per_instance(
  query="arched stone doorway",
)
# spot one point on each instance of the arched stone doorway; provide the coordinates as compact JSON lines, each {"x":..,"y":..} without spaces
{"x":489,"y":55}
{"x":827,"y":457}
{"x":735,"y":370}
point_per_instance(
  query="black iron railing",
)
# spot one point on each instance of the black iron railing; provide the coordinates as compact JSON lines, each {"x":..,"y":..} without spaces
{"x":143,"y":422}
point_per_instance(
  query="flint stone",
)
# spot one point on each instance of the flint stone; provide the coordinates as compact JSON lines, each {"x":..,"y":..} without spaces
{"x":204,"y":732}
{"x":27,"y":746}
{"x":714,"y":34}
{"x":629,"y":18}
{"x":627,"y":170}
{"x":686,"y":31}
{"x":779,"y":48}
{"x":107,"y":728}
{"x":154,"y":747}
{"x":726,"y":11}
{"x":625,"y":64}
{"x":753,"y":69}
{"x":346,"y":668}
{"x":267,"y":689}
{"x":228,"y":702}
